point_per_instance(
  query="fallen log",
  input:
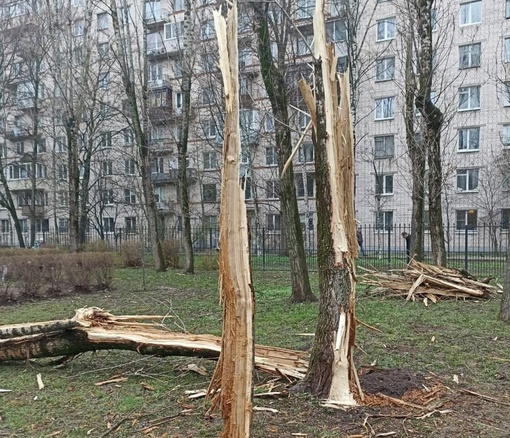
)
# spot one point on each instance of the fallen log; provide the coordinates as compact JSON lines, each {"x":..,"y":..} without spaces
{"x":92,"y":329}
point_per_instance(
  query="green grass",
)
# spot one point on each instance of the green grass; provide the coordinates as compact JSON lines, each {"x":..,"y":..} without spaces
{"x":449,"y":338}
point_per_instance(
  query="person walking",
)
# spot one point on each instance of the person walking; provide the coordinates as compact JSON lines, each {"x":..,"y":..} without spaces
{"x":407,"y":238}
{"x":359,"y":237}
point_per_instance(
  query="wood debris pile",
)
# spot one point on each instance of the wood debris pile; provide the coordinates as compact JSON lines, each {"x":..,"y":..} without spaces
{"x":420,"y":281}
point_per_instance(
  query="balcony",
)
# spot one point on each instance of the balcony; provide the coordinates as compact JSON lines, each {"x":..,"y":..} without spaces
{"x":158,"y":17}
{"x":17,"y":133}
{"x":39,"y":211}
{"x":171,"y":177}
{"x":163,"y":82}
{"x":161,"y":114}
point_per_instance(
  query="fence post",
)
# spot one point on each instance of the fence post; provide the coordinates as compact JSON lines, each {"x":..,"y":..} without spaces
{"x":389,"y":247}
{"x":210,"y":238}
{"x":466,"y":247}
{"x":263,"y":249}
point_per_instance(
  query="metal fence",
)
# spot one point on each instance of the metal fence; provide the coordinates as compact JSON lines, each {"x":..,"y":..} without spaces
{"x":480,"y":250}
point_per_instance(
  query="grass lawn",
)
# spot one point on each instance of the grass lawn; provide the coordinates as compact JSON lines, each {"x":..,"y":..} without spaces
{"x":462,"y":339}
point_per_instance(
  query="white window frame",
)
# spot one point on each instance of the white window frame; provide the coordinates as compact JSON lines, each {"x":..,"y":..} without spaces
{"x":466,"y":220}
{"x":384,"y":220}
{"x":78,"y":27}
{"x":102,"y":21}
{"x":469,"y":95}
{"x":468,"y":180}
{"x":210,"y":159}
{"x":270,"y":155}
{"x":385,"y":69}
{"x":386,"y":29}
{"x":468,"y":139}
{"x":174,"y":30}
{"x":506,"y":93}
{"x":129,"y":197}
{"x":272,"y":189}
{"x":385,"y":108}
{"x":383,"y":143}
{"x":384,"y":184}
{"x":470,"y":13}
{"x":505,"y":136}
{"x":470,"y":55}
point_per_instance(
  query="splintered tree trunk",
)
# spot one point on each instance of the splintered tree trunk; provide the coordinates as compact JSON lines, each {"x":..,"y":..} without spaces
{"x":332,"y":373}
{"x":234,"y":371}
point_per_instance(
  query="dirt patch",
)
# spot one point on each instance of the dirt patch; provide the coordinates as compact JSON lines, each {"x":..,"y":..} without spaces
{"x":392,"y":382}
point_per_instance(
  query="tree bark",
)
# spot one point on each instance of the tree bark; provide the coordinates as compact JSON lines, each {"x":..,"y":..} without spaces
{"x":234,"y":372}
{"x":432,"y":124}
{"x":332,"y":373}
{"x":274,"y":81}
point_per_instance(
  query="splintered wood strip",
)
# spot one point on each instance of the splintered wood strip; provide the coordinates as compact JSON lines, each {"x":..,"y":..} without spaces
{"x":415,"y":285}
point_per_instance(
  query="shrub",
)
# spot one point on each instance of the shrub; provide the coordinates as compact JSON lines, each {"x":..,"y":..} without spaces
{"x":207,"y":261}
{"x":98,"y":246}
{"x":27,"y":271}
{"x":171,"y":249}
{"x":102,"y":265}
{"x":132,"y":254}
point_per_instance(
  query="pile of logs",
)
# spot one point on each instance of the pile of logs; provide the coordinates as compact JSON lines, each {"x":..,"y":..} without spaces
{"x":420,"y":281}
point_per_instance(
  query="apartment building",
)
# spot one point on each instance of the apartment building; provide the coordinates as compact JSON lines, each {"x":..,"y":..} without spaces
{"x":472,"y":42}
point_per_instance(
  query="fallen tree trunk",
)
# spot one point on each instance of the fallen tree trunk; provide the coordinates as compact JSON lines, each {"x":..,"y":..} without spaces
{"x":93,"y":329}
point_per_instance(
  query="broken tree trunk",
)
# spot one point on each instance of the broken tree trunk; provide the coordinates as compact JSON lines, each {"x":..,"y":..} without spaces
{"x":234,"y":372}
{"x":332,"y":373}
{"x":93,"y":329}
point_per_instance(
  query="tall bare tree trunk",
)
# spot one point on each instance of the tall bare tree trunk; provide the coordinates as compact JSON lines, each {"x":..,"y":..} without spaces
{"x":432,"y":124}
{"x":234,"y":371}
{"x":182,"y":143}
{"x":332,"y":373}
{"x":276,"y":87}
{"x":416,"y":153}
{"x":504,"y":312}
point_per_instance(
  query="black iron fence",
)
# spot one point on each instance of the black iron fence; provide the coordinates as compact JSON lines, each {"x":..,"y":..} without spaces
{"x":480,"y":250}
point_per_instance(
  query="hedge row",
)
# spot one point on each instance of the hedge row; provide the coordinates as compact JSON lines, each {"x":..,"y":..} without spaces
{"x":32,"y":274}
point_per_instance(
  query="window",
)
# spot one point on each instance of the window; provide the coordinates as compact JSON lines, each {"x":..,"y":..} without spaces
{"x":384,"y":220}
{"x":104,"y":80}
{"x":466,"y":218}
{"x":209,"y":193}
{"x":505,"y":136}
{"x":210,"y":161}
{"x":385,"y":108}
{"x":174,"y":30}
{"x":384,"y":184}
{"x":342,"y":64}
{"x":467,"y":180}
{"x":246,"y":186}
{"x":272,"y":189}
{"x":207,"y":96}
{"x":434,"y":19}
{"x":336,"y":31}
{"x":268,"y":123}
{"x":271,"y":159}
{"x":273,"y":222}
{"x":40,"y":171}
{"x":130,"y":224}
{"x":105,"y":140}
{"x":40,"y":145}
{"x":102,"y":21}
{"x":208,"y":62}
{"x":304,"y":9}
{"x":385,"y":69}
{"x":78,"y":27}
{"x":303,"y":120}
{"x":384,"y":146}
{"x":5,"y":226}
{"x":207,"y":30}
{"x":305,"y":153}
{"x":60,"y":144}
{"x":154,"y":72}
{"x":19,"y":171}
{"x":153,"y":10}
{"x":107,"y":168}
{"x":63,"y":198}
{"x":469,"y":55}
{"x":62,"y":171}
{"x":42,"y":225}
{"x":507,"y":9}
{"x":129,"y":166}
{"x":304,"y":45}
{"x":129,"y":137}
{"x":154,"y":43}
{"x":469,"y":139}
{"x":469,"y":98}
{"x":505,"y":216}
{"x":158,"y":165}
{"x":244,"y":57}
{"x":107,"y":197}
{"x":129,"y":196}
{"x":108,"y":225}
{"x":103,"y":49}
{"x":506,"y":94}
{"x":20,"y":147}
{"x":306,"y":182}
{"x":209,"y":128}
{"x":386,"y":29}
{"x":178,"y":5}
{"x":470,"y":13}
{"x":63,"y":225}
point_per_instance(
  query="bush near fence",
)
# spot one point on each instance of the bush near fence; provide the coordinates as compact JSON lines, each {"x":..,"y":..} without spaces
{"x":28,"y":274}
